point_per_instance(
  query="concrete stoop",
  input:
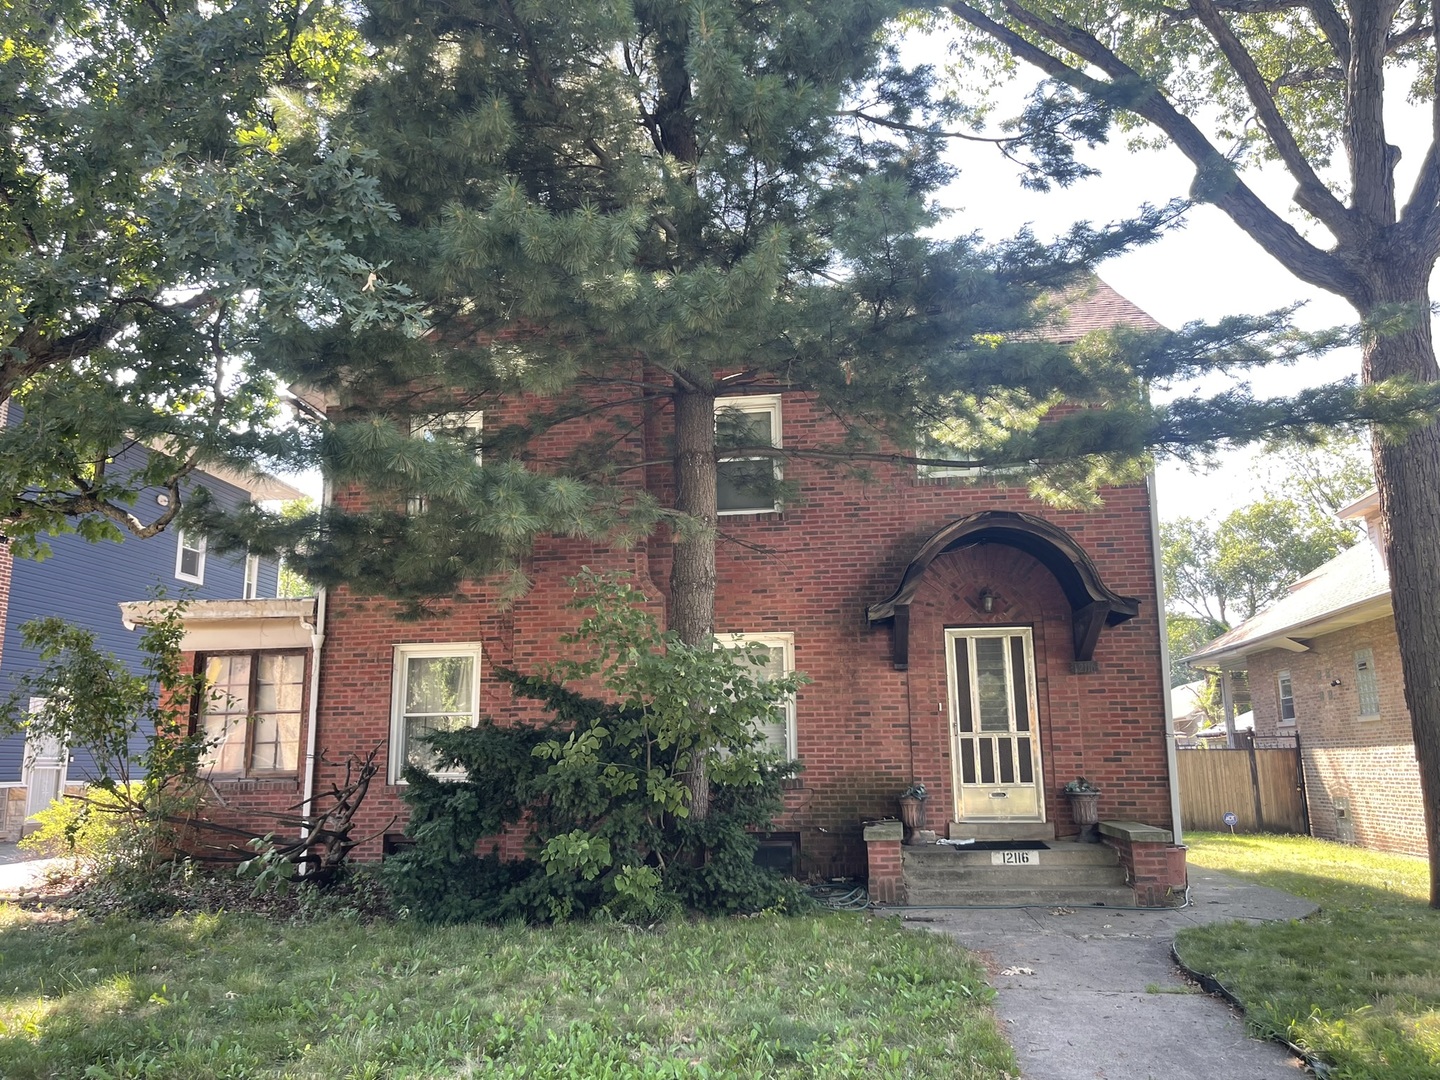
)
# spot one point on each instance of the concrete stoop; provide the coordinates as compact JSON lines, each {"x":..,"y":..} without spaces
{"x":1066,"y":873}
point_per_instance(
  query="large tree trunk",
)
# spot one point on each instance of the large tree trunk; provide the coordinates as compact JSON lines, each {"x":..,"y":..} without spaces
{"x":1408,"y":474}
{"x":692,"y":573}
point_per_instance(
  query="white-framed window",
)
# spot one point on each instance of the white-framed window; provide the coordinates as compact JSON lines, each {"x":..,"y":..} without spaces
{"x":1367,"y":687}
{"x":745,"y":485}
{"x":250,"y":712}
{"x":778,"y":652}
{"x":460,"y":427}
{"x":252,"y":577}
{"x":434,"y":688}
{"x":1286,"y":693}
{"x":189,"y":557}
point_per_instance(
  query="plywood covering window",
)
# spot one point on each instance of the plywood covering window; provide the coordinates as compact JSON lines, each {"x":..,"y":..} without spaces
{"x":1367,"y":686}
{"x":250,"y":712}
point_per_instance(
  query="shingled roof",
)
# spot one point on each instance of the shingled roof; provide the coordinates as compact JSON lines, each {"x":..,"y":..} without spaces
{"x":1094,"y":305}
{"x":1351,"y":588}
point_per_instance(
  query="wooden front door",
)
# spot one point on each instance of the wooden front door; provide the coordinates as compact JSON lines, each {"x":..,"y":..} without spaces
{"x":994,"y":725}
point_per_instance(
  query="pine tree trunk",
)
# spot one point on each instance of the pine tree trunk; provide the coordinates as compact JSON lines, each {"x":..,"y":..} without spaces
{"x":1408,"y":474}
{"x":692,"y":573}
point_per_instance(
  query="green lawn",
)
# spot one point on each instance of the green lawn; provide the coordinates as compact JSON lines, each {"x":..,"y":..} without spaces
{"x":237,"y":996}
{"x":1358,"y":984}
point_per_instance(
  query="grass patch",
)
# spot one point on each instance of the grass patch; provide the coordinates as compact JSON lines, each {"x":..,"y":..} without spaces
{"x":1358,"y":984}
{"x":237,"y":996}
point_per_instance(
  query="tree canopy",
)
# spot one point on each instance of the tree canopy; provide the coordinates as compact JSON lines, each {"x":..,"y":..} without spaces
{"x":1309,"y":86}
{"x":172,"y":207}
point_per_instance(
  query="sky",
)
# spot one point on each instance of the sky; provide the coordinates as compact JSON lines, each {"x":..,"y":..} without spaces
{"x":1205,"y":270}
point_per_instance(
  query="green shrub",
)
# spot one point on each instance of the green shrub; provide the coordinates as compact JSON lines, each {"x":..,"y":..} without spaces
{"x":600,"y":790}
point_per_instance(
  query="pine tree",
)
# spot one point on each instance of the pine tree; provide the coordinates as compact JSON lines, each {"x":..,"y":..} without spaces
{"x":604,"y":204}
{"x":1302,"y":84}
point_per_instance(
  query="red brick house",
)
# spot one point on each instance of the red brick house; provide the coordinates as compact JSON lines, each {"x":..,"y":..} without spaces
{"x":956,"y":633}
{"x":1324,"y":665}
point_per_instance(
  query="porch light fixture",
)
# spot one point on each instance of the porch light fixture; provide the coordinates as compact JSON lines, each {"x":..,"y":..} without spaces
{"x":987,"y":600}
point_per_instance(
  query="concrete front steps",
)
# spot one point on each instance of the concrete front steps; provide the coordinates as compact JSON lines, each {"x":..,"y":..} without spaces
{"x":1066,"y":873}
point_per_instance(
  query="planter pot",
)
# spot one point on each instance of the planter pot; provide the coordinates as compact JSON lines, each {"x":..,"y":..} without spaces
{"x":1085,"y":812}
{"x":912,"y":815}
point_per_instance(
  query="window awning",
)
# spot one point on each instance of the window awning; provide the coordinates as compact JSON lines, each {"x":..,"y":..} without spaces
{"x":1093,"y":605}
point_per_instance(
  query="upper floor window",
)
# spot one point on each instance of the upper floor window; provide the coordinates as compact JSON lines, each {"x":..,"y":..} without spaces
{"x":746,"y":485}
{"x":778,"y":653}
{"x":1287,"y":698}
{"x":189,"y":557}
{"x":252,"y":577}
{"x":462,"y":428}
{"x":434,"y":688}
{"x":250,"y":712}
{"x":1367,"y":687}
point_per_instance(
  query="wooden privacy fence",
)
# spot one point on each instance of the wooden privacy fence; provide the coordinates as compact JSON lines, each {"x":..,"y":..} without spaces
{"x":1263,"y":788}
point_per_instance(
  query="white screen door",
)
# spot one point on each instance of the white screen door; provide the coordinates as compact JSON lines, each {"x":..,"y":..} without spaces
{"x":45,"y":765}
{"x":994,"y":730}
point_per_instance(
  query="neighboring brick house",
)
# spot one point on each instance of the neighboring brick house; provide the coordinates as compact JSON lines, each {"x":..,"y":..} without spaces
{"x":1324,"y":665}
{"x":82,"y":582}
{"x":956,"y":633}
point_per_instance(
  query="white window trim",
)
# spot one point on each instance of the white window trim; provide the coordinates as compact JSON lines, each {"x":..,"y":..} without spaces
{"x":198,"y":578}
{"x":415,"y":505}
{"x":786,"y":643}
{"x":755,"y":403}
{"x":1280,"y":720}
{"x":468,"y":421}
{"x":251,"y":588}
{"x":398,"y":673}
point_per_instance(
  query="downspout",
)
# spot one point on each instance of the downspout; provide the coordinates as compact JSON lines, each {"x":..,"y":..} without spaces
{"x":317,"y":642}
{"x":1170,"y":752}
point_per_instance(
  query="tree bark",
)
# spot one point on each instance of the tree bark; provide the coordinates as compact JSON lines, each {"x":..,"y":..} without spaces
{"x":1408,"y":474}
{"x":692,"y":571}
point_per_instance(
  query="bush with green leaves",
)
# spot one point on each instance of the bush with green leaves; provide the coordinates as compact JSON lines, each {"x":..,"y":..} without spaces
{"x":138,"y":757}
{"x":599,"y":788}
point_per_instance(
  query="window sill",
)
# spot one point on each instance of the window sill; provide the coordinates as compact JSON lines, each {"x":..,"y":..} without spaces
{"x":758,"y":512}
{"x":255,"y":783}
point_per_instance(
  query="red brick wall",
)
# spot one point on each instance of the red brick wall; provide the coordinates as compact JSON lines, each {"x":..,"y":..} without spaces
{"x":865,"y":730}
{"x":1368,"y":762}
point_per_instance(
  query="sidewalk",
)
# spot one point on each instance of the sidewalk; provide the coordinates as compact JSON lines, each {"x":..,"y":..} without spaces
{"x":1084,"y":1013}
{"x":20,"y":871}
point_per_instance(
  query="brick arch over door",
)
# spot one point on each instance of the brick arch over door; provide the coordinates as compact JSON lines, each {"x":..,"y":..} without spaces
{"x":1025,"y":595}
{"x":1093,"y":605}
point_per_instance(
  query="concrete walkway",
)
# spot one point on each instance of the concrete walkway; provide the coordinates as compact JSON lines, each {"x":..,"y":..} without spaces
{"x":1083,"y":1012}
{"x":20,"y":871}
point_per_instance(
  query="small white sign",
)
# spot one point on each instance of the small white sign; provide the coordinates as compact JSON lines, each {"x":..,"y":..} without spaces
{"x":1014,"y":858}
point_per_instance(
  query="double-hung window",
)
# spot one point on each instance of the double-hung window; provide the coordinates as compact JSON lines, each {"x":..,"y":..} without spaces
{"x":464,"y":429}
{"x":1286,"y":695}
{"x":250,"y":712}
{"x":252,"y":577}
{"x":746,"y":484}
{"x":435,"y":688}
{"x":777,"y":651}
{"x":189,"y":557}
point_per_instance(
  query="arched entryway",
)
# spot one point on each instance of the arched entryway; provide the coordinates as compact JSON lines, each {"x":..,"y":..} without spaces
{"x":1007,"y":611}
